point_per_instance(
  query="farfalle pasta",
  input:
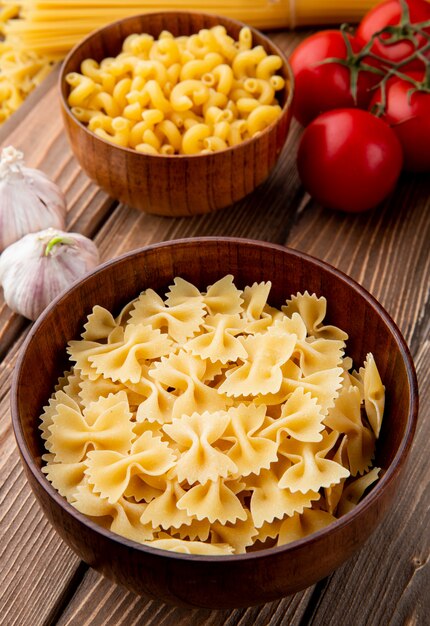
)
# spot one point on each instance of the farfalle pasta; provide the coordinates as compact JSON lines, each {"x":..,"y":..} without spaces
{"x":210,"y":422}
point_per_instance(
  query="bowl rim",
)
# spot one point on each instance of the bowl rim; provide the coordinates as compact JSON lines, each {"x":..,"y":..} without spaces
{"x":247,"y":142}
{"x":382,"y":484}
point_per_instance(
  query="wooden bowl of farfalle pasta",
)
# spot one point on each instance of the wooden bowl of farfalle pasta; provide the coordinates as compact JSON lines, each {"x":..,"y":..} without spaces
{"x":215,"y":422}
{"x":177,"y":113}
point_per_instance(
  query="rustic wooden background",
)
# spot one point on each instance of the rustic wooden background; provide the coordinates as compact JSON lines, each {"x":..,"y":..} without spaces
{"x":386,"y":250}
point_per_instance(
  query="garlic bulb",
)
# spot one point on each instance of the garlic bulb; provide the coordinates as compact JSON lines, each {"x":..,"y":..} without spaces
{"x":29,"y":200}
{"x":35,"y":269}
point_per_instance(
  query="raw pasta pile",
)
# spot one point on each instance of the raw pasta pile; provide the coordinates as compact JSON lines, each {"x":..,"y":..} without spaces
{"x":179,"y":95}
{"x":212,"y":423}
{"x":38,"y":33}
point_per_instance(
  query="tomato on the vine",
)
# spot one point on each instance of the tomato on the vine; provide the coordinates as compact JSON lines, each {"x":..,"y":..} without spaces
{"x":321,"y":86}
{"x":407,"y":110}
{"x":349,"y":160}
{"x":395,"y":47}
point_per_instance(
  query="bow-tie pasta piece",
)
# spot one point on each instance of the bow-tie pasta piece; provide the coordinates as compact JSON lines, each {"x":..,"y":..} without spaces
{"x":350,"y":377}
{"x":59,"y":398}
{"x":311,"y":470}
{"x":291,"y":380}
{"x":319,"y":354}
{"x":197,"y":529}
{"x":215,"y":501}
{"x":79,"y":352}
{"x":355,"y":490}
{"x":182,"y":291}
{"x":200,"y":460}
{"x":293,"y":325}
{"x":250,"y":451}
{"x":91,"y":390}
{"x":323,"y":386}
{"x":190,"y":547}
{"x":269,"y":501}
{"x":302,"y":525}
{"x":177,"y":371}
{"x":261,"y":372}
{"x":151,"y":487}
{"x":65,"y":477}
{"x":313,"y":311}
{"x":254,"y":305}
{"x":162,"y":511}
{"x":63,"y":381}
{"x":123,"y":361}
{"x":345,"y":418}
{"x":374,"y":393}
{"x":334,"y":493}
{"x":184,"y":372}
{"x":109,"y":472}
{"x":300,"y":418}
{"x":99,"y":325}
{"x":180,"y":321}
{"x":219,"y":343}
{"x":157,"y":407}
{"x":124,"y":315}
{"x":240,"y":535}
{"x":105,"y":405}
{"x":125,"y":515}
{"x":107,"y":428}
{"x":213,"y":372}
{"x":72,"y":387}
{"x":268,"y":532}
{"x":223,"y":297}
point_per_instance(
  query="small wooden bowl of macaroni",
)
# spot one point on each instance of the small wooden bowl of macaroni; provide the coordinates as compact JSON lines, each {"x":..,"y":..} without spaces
{"x":214,"y":442}
{"x":177,"y":113}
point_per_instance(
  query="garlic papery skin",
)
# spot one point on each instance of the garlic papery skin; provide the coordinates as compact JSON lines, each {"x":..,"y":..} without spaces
{"x":29,"y":200}
{"x":35,"y":269}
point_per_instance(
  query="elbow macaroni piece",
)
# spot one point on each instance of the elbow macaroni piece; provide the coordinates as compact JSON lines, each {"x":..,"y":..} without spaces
{"x":193,"y":94}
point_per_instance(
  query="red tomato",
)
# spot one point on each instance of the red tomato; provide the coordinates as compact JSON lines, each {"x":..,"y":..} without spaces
{"x":349,"y":160}
{"x":389,"y":14}
{"x":322,"y":87}
{"x":408,"y":113}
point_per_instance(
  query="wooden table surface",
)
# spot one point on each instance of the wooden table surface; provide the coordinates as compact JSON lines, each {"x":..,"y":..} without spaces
{"x":386,"y":250}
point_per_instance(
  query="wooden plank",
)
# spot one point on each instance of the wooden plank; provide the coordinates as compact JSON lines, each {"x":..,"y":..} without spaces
{"x":385,"y":250}
{"x":98,"y":602}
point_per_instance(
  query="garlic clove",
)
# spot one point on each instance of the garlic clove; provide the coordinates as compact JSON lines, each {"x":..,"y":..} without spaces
{"x":35,"y":269}
{"x":29,"y":200}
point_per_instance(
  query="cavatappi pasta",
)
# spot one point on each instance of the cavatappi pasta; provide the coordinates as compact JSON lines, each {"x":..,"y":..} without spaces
{"x":212,"y":423}
{"x":192,"y":94}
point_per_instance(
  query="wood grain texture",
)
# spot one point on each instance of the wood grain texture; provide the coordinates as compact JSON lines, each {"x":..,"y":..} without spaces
{"x":389,"y":255}
{"x":386,"y":250}
{"x":180,"y":184}
{"x":113,"y":606}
